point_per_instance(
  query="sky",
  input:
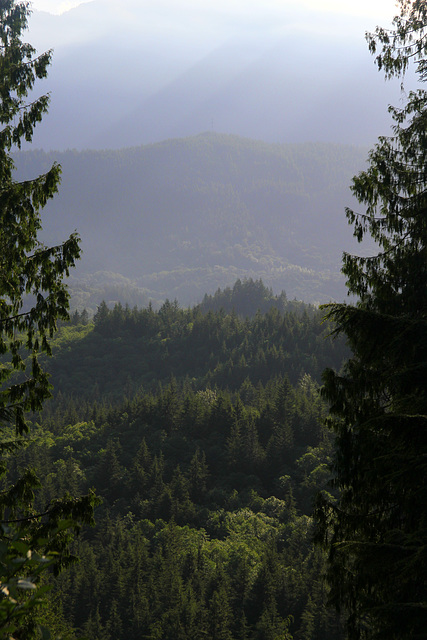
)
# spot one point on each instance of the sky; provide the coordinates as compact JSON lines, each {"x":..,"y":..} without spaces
{"x":207,"y":22}
{"x":188,"y":55}
{"x":382,"y":9}
{"x":53,"y":6}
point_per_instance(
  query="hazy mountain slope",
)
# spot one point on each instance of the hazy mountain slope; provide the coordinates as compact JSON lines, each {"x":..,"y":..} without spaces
{"x":121,"y":77}
{"x":279,"y":94}
{"x":185,"y":216}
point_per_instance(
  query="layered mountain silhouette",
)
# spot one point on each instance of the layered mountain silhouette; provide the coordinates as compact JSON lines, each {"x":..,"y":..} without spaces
{"x":182,"y":217}
{"x":114,"y":84}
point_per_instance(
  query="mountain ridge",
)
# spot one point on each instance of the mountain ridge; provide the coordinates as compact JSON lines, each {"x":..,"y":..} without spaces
{"x":185,"y":216}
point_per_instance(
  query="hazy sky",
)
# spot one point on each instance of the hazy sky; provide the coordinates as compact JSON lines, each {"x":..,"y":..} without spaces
{"x":208,"y":21}
{"x":381,"y":9}
{"x":167,"y":62}
{"x":378,"y":8}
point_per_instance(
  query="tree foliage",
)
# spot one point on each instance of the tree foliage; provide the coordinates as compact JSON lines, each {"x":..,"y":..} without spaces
{"x":376,"y":532}
{"x":32,"y":298}
{"x":191,"y":540}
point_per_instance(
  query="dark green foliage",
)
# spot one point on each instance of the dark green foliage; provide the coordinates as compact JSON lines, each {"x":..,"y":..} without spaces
{"x":145,"y":347}
{"x":247,"y":297}
{"x":193,"y":539}
{"x":204,"y":530}
{"x":33,"y":537}
{"x":376,"y":533}
{"x":27,"y":267}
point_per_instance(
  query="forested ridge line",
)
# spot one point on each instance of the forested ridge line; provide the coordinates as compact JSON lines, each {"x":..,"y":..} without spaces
{"x":126,"y":348}
{"x":203,"y":432}
{"x":201,"y":212}
{"x":201,"y":438}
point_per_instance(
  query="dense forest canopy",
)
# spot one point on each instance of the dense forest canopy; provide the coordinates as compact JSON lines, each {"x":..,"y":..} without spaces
{"x":200,"y":435}
{"x":203,"y":431}
{"x":213,"y":347}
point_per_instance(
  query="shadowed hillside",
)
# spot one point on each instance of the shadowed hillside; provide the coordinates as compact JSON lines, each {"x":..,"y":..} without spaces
{"x":182,"y":217}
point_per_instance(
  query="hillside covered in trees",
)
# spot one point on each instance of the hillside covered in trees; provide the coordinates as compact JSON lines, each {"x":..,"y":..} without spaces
{"x":182,"y":450}
{"x":179,"y":218}
{"x":203,"y":432}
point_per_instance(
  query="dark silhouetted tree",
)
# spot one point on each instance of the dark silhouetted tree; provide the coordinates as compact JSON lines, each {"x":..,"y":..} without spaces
{"x":376,"y":532}
{"x":32,"y":298}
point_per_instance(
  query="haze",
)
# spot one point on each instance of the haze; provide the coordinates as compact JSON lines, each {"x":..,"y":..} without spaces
{"x":200,"y":106}
{"x":275,"y":71}
{"x":381,"y":8}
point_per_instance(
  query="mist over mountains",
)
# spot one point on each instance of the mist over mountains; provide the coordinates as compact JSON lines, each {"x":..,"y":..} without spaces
{"x":180,"y":218}
{"x":233,"y":135}
{"x":128,"y":78}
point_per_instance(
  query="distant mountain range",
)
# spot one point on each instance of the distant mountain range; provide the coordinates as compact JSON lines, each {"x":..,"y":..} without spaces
{"x":115,"y":84}
{"x":180,"y":218}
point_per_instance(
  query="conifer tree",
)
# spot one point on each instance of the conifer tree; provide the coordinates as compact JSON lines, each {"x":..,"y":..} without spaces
{"x":376,"y":533}
{"x":32,"y":298}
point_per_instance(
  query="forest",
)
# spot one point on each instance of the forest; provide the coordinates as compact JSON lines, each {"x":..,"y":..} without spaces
{"x":247,"y":467}
{"x":202,"y":430}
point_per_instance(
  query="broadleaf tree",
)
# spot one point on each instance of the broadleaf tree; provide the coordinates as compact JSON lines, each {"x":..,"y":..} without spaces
{"x":33,"y":296}
{"x":376,"y":530}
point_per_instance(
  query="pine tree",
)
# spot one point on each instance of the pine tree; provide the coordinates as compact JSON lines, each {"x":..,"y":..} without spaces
{"x":376,"y":533}
{"x":198,"y":474}
{"x":220,"y":615}
{"x":32,"y":298}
